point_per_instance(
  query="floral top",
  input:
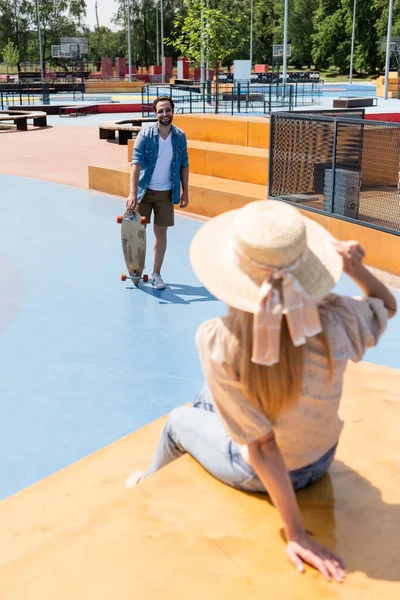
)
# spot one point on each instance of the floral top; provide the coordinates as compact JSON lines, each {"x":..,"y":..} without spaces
{"x":313,"y":426}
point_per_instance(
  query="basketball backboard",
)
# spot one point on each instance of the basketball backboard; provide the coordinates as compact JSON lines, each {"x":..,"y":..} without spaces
{"x":70,"y":47}
{"x":277,"y":50}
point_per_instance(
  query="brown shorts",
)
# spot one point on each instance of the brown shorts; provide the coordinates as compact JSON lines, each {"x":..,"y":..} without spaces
{"x":161,"y":203}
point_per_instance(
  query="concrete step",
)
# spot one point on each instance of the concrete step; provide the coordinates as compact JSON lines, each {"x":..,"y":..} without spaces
{"x":225,"y":129}
{"x":209,"y":196}
{"x":238,"y":163}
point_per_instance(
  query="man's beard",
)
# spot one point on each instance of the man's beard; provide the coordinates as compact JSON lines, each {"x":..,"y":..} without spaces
{"x":165,"y":120}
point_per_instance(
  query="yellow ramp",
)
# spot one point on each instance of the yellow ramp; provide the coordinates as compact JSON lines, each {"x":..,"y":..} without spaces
{"x":80,"y":535}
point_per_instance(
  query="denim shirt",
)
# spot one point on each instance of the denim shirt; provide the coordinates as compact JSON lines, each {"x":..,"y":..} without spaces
{"x":145,"y":154}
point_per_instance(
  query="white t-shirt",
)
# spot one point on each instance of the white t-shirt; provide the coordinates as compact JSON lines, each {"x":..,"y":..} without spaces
{"x":162,"y":175}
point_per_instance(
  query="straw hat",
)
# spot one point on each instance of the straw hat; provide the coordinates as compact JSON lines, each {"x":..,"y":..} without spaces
{"x":230,"y":252}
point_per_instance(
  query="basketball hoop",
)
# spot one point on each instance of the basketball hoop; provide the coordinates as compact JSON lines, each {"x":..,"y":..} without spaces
{"x":277,"y":50}
{"x":55,"y":51}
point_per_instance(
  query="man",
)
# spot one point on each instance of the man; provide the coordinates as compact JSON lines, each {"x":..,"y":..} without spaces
{"x":159,"y":165}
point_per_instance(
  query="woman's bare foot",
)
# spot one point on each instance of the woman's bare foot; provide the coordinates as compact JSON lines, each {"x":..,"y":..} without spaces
{"x":133,"y":479}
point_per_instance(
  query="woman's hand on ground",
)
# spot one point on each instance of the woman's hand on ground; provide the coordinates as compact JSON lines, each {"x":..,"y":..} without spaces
{"x":301,"y":549}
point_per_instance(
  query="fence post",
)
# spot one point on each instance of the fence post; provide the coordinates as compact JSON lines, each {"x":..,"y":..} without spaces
{"x":238,"y":87}
{"x":270,"y":98}
{"x":190,"y":105}
{"x":271,"y":153}
{"x":204,"y":96}
{"x":333,"y":166}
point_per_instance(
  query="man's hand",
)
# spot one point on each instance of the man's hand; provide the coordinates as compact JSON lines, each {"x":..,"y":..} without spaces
{"x":184,"y":200}
{"x":131,"y":202}
{"x":301,"y":549}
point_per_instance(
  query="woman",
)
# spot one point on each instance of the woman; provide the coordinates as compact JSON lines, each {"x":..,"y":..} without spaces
{"x":268,"y":421}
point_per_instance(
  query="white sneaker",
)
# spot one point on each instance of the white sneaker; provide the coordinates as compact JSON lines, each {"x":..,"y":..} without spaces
{"x":133,"y":479}
{"x":158,"y":282}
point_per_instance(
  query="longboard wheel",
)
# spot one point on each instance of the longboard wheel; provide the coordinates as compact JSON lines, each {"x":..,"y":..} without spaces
{"x":119,"y":220}
{"x":145,"y":278}
{"x":123,"y":277}
{"x":143,"y":220}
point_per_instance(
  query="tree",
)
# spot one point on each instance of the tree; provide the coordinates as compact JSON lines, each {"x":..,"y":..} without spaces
{"x":10,"y":54}
{"x":105,"y":42}
{"x":143,"y":15}
{"x":219,"y":37}
{"x":16,"y":17}
{"x":301,"y":30}
{"x":59,"y":18}
{"x":266,"y":23}
{"x":332,"y":38}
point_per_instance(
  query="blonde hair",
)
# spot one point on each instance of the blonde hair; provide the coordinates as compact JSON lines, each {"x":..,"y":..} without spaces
{"x":272,"y":389}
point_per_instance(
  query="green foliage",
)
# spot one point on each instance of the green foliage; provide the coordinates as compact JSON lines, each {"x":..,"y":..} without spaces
{"x":219,"y":35}
{"x":319,"y":30}
{"x":10,"y":54}
{"x":104,"y":42}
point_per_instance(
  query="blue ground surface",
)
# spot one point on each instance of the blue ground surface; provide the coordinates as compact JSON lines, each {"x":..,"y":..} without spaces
{"x":84,"y":358}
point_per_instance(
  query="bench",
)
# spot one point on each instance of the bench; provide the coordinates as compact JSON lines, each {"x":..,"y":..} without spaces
{"x":20,"y":118}
{"x":127,"y":129}
{"x":353,"y":102}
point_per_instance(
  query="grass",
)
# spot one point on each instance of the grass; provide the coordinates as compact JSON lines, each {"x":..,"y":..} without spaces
{"x":336,"y":77}
{"x":3,"y":69}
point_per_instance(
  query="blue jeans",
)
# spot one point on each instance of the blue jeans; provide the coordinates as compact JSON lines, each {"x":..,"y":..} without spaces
{"x":198,"y":430}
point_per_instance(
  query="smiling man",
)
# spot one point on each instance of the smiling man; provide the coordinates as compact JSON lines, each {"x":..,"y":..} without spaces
{"x":159,"y":166}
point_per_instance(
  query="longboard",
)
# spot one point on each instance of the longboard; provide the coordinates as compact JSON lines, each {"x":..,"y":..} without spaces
{"x":133,"y":239}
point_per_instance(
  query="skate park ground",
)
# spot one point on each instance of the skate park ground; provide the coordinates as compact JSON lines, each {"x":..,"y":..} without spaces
{"x":86,"y":360}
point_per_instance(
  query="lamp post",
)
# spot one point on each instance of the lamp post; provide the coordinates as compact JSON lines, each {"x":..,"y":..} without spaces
{"x":388,"y":48}
{"x":162,"y":42}
{"x":129,"y":42}
{"x":40,"y":40}
{"x":157,"y":36}
{"x":202,"y":74}
{"x":285,"y":42}
{"x":251,"y":32}
{"x":352,"y":42}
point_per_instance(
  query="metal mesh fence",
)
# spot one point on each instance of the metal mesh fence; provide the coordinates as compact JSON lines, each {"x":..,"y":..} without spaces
{"x":234,"y":98}
{"x":340,"y":165}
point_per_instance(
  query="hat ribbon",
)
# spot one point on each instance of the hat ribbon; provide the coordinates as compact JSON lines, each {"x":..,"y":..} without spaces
{"x":299,"y":308}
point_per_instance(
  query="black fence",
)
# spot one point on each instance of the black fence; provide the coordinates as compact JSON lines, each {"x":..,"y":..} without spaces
{"x":274,"y":77}
{"x":242,"y":98}
{"x":338,"y":164}
{"x":12,"y":94}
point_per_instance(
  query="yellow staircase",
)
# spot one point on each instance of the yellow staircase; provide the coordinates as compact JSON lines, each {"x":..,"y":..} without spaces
{"x":393,"y":90}
{"x":228,"y":159}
